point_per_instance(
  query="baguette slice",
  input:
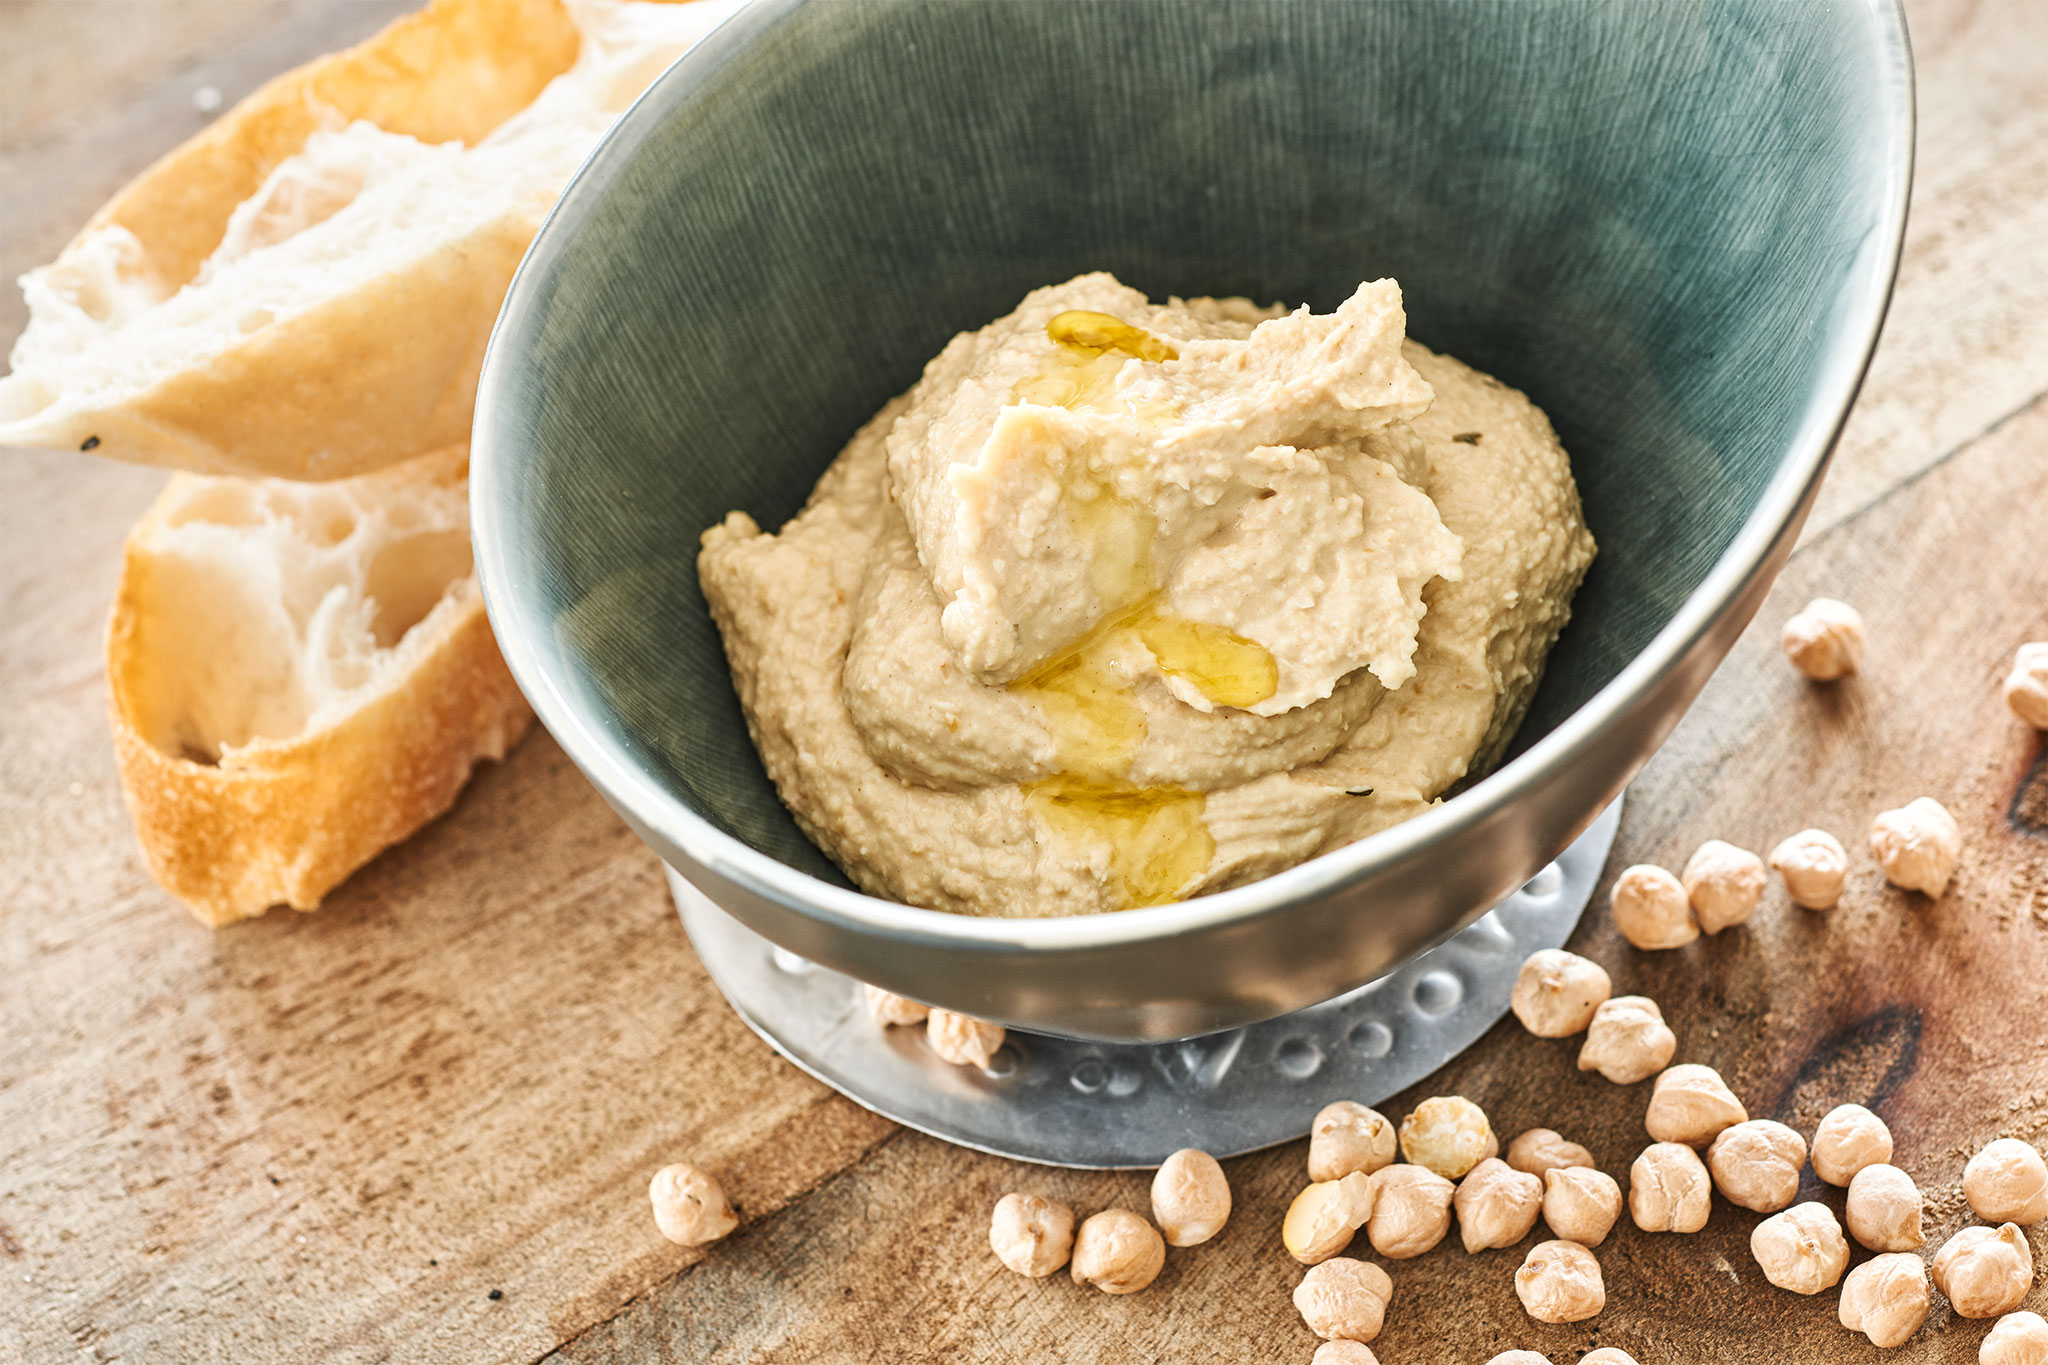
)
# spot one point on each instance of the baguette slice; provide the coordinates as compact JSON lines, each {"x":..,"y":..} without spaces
{"x":300,"y":675}
{"x":305,"y":289}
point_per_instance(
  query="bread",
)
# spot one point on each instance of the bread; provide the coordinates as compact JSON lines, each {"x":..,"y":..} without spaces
{"x":300,"y":675}
{"x":305,"y":289}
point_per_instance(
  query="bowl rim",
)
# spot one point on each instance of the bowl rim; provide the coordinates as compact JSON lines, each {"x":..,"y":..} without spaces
{"x":628,"y":786}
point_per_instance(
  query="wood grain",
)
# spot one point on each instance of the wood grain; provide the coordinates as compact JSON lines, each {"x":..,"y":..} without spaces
{"x":333,"y":1136}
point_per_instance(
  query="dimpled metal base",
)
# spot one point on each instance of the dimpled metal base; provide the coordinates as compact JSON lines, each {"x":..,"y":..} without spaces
{"x":1063,"y":1102}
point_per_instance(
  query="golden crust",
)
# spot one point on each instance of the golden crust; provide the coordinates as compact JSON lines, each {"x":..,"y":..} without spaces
{"x":284,"y":821}
{"x":451,"y":72}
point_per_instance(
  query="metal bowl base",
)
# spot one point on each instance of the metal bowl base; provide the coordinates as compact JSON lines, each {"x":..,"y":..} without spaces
{"x":1066,"y":1102}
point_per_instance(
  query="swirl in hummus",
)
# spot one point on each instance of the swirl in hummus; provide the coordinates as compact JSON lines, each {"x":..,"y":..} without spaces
{"x":1124,"y":603}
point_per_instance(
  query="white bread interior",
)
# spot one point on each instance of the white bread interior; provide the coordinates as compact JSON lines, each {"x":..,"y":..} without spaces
{"x":300,"y":675}
{"x":336,"y":320}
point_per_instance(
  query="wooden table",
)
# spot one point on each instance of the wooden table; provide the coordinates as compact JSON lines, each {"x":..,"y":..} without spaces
{"x":419,"y":1124}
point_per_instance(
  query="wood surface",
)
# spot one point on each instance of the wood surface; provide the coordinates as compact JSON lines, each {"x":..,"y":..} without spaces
{"x":335,"y":1136}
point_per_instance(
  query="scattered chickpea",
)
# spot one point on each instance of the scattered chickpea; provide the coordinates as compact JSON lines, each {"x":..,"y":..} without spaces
{"x":1556,"y":993}
{"x":1344,"y":1353}
{"x":2026,"y":687}
{"x":1651,"y":908}
{"x":1581,"y":1204}
{"x":1560,"y":1282}
{"x":1118,"y":1252}
{"x":1848,"y":1139}
{"x":1692,"y":1104}
{"x":1813,"y":864}
{"x":2016,"y":1339}
{"x":1541,"y":1149}
{"x":2007,"y":1182}
{"x":1349,"y":1137}
{"x":1824,"y":639}
{"x":1668,"y":1190}
{"x":1724,"y":884}
{"x":1496,"y":1204}
{"x":1343,"y":1299}
{"x":1801,"y":1249}
{"x":1324,"y":1217}
{"x":1031,"y":1234}
{"x":1411,"y":1211}
{"x":1884,"y":1209}
{"x":1190,"y":1198}
{"x":1520,"y":1358}
{"x":690,"y":1206}
{"x":1449,"y":1134}
{"x":1885,"y":1298}
{"x":1917,"y":845}
{"x":1608,"y":1355}
{"x":961,"y":1040}
{"x":1628,"y":1040}
{"x":890,"y":1010}
{"x":1756,"y":1165}
{"x":1985,"y":1271}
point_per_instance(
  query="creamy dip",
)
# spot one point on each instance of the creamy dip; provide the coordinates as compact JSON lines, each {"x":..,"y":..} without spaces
{"x":1123,"y":603}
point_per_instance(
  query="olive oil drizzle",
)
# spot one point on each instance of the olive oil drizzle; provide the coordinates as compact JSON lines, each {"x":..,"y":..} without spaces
{"x":1157,"y":838}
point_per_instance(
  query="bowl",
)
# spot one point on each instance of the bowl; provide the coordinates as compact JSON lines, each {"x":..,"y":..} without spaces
{"x":1674,"y":225}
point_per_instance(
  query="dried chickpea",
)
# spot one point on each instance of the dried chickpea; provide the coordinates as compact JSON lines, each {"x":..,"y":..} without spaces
{"x":1324,"y":1217}
{"x":891,"y":1011}
{"x":1824,"y":639}
{"x":1496,"y":1204}
{"x":1031,"y":1234}
{"x":1560,"y":1282}
{"x":1343,"y":1299}
{"x":1520,"y":1358}
{"x":1917,"y":845}
{"x":1885,"y":1298}
{"x":2015,"y":1339}
{"x":1801,"y":1249}
{"x":1723,"y":884}
{"x":690,"y":1206}
{"x":1668,"y":1190}
{"x":1449,"y":1134}
{"x":1190,"y":1198}
{"x":1556,"y":993}
{"x":1813,"y":864}
{"x":1883,"y":1213}
{"x":1756,"y":1165}
{"x":1344,"y":1353}
{"x":1651,"y":908}
{"x":2026,"y":687}
{"x":1692,"y":1104}
{"x":2007,"y":1182}
{"x":961,"y":1040}
{"x":1118,"y":1252}
{"x":1347,"y":1137}
{"x":1985,"y":1271}
{"x":1580,"y":1204}
{"x":1411,"y":1211}
{"x":1848,"y":1139}
{"x":1628,"y":1040}
{"x":1608,"y":1355}
{"x":1541,"y":1149}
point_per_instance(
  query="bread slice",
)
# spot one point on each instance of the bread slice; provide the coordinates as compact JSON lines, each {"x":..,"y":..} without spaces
{"x":305,"y":289}
{"x":300,"y":675}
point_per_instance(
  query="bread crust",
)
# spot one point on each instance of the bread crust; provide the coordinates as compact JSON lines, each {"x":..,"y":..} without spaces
{"x":385,"y":372}
{"x":285,"y":821}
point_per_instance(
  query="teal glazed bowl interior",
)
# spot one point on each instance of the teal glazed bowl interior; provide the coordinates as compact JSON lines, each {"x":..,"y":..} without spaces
{"x":1675,"y":225}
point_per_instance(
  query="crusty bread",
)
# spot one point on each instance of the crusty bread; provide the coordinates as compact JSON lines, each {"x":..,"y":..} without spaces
{"x":305,"y":289}
{"x":300,"y":675}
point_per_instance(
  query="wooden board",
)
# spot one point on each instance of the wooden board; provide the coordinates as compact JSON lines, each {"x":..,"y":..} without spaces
{"x":334,"y":1136}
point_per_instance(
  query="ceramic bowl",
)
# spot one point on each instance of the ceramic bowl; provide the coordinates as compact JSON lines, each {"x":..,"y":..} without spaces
{"x":1674,"y":225}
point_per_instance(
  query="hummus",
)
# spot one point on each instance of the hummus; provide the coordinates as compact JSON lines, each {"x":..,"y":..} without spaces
{"x":1124,"y":603}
